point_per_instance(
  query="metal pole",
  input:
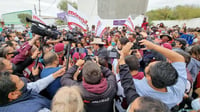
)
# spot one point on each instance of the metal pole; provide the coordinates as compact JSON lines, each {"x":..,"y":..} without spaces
{"x":68,"y":54}
{"x":35,"y":9}
{"x":39,"y":9}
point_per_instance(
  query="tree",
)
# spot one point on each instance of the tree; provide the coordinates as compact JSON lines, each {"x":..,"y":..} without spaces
{"x":60,"y":22}
{"x":22,"y":18}
{"x":177,"y":13}
{"x":63,"y":5}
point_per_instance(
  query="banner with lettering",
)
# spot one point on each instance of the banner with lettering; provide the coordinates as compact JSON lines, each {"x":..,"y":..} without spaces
{"x":39,"y":19}
{"x":129,"y":24}
{"x":100,"y":28}
{"x":76,"y":18}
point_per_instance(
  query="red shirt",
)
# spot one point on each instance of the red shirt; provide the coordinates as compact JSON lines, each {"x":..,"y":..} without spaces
{"x":198,"y":81}
{"x":139,"y":76}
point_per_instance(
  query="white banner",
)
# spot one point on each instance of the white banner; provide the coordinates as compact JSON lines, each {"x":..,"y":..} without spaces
{"x":76,"y":18}
{"x":39,"y":19}
{"x":100,"y":28}
{"x":138,"y":20}
{"x":129,"y":24}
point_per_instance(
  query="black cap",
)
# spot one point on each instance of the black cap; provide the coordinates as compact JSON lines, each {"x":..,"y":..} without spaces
{"x":182,"y":41}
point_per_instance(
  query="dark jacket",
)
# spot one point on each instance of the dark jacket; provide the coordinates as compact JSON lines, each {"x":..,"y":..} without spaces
{"x":102,"y":102}
{"x":102,"y":53}
{"x":127,"y":83}
{"x":18,"y":69}
{"x":28,"y":102}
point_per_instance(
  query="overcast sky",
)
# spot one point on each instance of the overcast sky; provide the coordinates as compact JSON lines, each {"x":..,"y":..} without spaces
{"x":49,"y":7}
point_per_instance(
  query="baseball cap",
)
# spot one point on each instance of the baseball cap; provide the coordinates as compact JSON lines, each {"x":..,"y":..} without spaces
{"x":182,"y":41}
{"x":59,"y":47}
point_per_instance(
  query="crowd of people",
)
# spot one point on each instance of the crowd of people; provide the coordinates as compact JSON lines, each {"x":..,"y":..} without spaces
{"x":153,"y":69}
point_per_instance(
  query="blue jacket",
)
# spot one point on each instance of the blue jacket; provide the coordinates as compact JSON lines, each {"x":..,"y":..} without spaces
{"x":30,"y":101}
{"x":188,"y":37}
{"x":55,"y":85}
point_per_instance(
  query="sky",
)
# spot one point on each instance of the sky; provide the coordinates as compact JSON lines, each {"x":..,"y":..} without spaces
{"x":49,"y":7}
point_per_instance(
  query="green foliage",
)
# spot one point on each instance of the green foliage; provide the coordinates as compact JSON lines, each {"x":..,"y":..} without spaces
{"x":22,"y":18}
{"x":177,"y":13}
{"x":63,"y":5}
{"x":60,"y":22}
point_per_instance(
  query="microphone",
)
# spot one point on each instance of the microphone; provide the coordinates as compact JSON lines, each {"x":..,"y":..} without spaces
{"x":36,"y":22}
{"x":28,"y":19}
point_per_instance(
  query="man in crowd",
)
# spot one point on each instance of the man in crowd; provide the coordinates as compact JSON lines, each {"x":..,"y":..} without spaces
{"x":162,"y":80}
{"x":133,"y":65}
{"x":2,"y":36}
{"x":99,"y":48}
{"x":19,"y":96}
{"x":165,"y":38}
{"x":139,"y":104}
{"x":131,"y":37}
{"x":98,"y":85}
{"x":51,"y":62}
{"x":60,"y":51}
{"x":180,"y":44}
{"x":11,"y":36}
{"x":147,"y":104}
{"x":100,"y":51}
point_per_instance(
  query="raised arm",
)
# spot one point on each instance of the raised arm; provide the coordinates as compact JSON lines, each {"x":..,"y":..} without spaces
{"x":68,"y":79}
{"x":171,"y":55}
{"x":41,"y":84}
{"x":125,"y":76}
{"x":23,"y":51}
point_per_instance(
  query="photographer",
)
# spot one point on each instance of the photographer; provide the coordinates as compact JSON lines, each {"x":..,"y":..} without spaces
{"x":143,"y":103}
{"x":19,"y":67}
{"x":160,"y":77}
{"x":24,"y":50}
{"x":98,"y":85}
{"x":134,"y":66}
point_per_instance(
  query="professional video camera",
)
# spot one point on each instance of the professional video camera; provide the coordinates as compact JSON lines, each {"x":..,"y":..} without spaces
{"x":50,"y":31}
{"x":113,"y":54}
{"x":137,"y":45}
{"x":42,"y":29}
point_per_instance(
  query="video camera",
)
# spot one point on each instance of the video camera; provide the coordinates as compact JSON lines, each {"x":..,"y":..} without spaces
{"x":137,"y":45}
{"x":49,"y":31}
{"x":113,"y":54}
{"x":89,"y":58}
{"x":42,"y":29}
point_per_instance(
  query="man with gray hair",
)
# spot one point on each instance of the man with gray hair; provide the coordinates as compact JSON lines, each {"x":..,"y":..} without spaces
{"x":51,"y":62}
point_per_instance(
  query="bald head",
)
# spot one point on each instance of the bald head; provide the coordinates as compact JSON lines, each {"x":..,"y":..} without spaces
{"x":50,"y":58}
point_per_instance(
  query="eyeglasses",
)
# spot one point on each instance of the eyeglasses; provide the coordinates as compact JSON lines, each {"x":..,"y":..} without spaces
{"x":11,"y":53}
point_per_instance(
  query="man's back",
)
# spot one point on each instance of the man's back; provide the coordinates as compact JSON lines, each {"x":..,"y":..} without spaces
{"x":174,"y":94}
{"x":55,"y":85}
{"x":102,"y":102}
{"x":98,"y":97}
